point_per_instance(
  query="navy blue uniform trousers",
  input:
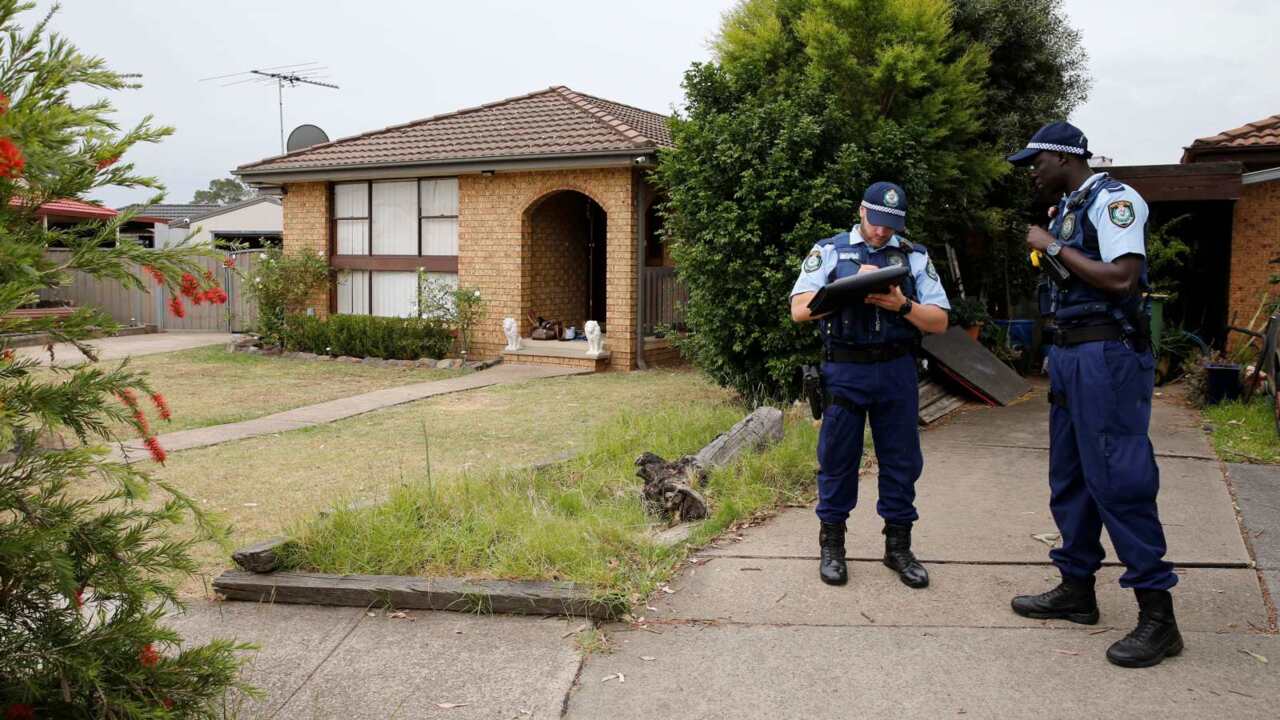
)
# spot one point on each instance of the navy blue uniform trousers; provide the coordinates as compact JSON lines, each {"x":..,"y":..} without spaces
{"x":1102,"y":468}
{"x":886,"y":392}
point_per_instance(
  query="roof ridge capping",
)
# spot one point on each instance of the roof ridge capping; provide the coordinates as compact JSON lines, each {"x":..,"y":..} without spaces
{"x":626,"y":131}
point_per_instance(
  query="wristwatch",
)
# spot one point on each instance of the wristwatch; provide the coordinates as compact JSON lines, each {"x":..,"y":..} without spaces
{"x":1054,"y":248}
{"x":906,"y":308}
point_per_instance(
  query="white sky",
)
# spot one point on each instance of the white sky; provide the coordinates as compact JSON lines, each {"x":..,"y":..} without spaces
{"x":1165,"y":72}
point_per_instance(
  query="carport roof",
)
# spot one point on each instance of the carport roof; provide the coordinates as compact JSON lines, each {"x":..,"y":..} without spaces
{"x":551,"y":123}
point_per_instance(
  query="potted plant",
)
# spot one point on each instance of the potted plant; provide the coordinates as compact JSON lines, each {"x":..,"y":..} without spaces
{"x":970,"y":314}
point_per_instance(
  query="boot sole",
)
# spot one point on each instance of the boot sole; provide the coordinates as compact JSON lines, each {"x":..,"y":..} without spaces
{"x":1171,"y":652}
{"x":913,"y":586}
{"x":1085,"y":618}
{"x":834,"y":583}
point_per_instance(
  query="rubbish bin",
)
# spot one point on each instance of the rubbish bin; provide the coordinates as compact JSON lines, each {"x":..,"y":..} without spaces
{"x":1222,"y":382}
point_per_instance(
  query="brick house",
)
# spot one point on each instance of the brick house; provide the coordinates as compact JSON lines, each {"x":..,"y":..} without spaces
{"x":540,"y":202}
{"x":1255,"y":233}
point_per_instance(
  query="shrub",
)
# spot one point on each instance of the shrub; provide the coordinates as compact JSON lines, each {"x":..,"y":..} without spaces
{"x":281,"y":285}
{"x":367,"y":336}
{"x":968,"y":311}
{"x":86,"y":574}
{"x":459,"y":309}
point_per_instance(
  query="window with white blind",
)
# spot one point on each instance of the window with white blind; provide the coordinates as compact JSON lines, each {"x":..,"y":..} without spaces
{"x":384,"y":232}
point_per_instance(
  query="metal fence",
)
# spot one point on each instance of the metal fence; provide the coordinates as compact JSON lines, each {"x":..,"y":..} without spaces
{"x":130,"y":306}
{"x":664,"y":299}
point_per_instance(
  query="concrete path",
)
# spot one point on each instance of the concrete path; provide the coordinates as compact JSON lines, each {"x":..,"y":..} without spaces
{"x":327,"y":412}
{"x":1258,"y":495}
{"x":117,"y":348}
{"x":751,"y":632}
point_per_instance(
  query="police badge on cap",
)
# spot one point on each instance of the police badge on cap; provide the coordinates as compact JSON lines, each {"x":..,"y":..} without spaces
{"x":886,"y":205}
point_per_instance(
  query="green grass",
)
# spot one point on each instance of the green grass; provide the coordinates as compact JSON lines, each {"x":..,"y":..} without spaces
{"x":582,"y":520}
{"x":211,"y":386}
{"x":1245,"y":432}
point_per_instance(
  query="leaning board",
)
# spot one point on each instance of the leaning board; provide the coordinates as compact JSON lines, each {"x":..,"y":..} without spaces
{"x":966,"y":358}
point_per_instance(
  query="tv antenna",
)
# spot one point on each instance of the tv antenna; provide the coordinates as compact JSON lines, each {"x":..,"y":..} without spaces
{"x":309,"y":73}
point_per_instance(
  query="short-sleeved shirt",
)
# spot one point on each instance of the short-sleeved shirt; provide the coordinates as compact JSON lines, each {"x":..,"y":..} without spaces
{"x":821,"y":260}
{"x":1121,"y":226}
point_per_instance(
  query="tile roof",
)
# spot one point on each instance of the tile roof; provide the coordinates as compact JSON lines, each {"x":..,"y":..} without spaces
{"x":221,"y":209}
{"x":555,"y":121}
{"x":1263,"y":133}
{"x":173,"y":212}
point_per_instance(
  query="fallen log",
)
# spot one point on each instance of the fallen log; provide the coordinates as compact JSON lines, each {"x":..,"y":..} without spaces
{"x":670,"y":486}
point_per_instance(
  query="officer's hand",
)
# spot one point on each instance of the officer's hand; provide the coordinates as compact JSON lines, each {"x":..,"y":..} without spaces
{"x":891,"y":301}
{"x":1038,"y":238}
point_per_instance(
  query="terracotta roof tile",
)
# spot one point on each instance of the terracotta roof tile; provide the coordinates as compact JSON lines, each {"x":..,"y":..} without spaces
{"x":1263,"y":133}
{"x":555,"y":121}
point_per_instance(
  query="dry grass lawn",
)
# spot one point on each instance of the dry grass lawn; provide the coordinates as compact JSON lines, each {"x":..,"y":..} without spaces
{"x":264,"y":485}
{"x":210,"y":386}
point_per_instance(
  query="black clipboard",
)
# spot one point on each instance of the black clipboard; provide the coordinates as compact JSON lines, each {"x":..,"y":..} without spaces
{"x":844,"y":291}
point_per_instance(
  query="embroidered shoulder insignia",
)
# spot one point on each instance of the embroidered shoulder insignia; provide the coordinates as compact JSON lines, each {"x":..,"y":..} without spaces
{"x":930,"y":270}
{"x":1121,"y":213}
{"x":813,"y":261}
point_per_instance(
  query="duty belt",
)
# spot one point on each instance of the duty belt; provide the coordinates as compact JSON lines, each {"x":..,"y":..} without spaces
{"x":1064,"y":337}
{"x":867,"y":354}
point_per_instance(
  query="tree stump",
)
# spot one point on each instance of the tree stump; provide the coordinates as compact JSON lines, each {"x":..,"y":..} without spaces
{"x":670,"y":487}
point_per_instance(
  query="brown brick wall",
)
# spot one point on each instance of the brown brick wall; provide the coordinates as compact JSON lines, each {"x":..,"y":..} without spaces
{"x":1255,"y":240}
{"x":560,"y":260}
{"x":496,"y":239}
{"x":306,"y":226}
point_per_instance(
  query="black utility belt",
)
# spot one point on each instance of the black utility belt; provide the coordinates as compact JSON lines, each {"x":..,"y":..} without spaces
{"x":868,"y":354}
{"x":1065,"y":337}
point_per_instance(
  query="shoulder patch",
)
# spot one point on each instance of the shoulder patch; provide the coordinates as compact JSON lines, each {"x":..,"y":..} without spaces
{"x":1121,"y":213}
{"x":813,"y":261}
{"x":930,"y":270}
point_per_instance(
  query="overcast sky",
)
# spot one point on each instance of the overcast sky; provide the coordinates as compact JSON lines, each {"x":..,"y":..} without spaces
{"x":1165,"y":72}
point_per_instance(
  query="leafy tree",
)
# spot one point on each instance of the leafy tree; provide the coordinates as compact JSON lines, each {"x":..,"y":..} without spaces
{"x":85,"y":577}
{"x":224,"y":191}
{"x":805,"y":103}
{"x":1037,"y":74}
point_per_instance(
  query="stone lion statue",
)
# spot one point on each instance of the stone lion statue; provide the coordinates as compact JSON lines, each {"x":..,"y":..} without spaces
{"x":512,"y":331}
{"x":595,"y":339}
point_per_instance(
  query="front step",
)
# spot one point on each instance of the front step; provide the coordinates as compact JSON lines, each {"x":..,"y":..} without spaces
{"x":554,"y":352}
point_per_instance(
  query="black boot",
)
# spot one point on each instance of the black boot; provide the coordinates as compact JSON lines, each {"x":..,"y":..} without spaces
{"x":1072,"y":600}
{"x":898,"y":556}
{"x":1156,"y":636}
{"x":832,"y":567}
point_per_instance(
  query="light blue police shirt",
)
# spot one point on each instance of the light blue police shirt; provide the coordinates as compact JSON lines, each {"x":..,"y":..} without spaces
{"x":1109,"y":216}
{"x":929,"y":290}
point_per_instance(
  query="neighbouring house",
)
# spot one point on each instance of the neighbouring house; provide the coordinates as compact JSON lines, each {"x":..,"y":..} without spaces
{"x":541,"y":202}
{"x":1255,"y":222}
{"x":253,"y":223}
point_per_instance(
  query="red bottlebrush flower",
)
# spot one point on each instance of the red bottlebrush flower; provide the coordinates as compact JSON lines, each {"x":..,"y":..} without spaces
{"x":105,"y":163}
{"x":148,"y":656}
{"x":4,"y":103}
{"x":7,"y":354}
{"x":19,"y":711}
{"x":153,"y":272}
{"x":197,"y":298}
{"x":208,"y":277}
{"x":167,"y":703}
{"x":157,"y":452}
{"x":176,"y":307}
{"x":129,"y":397}
{"x":79,"y":598}
{"x":11,"y":159}
{"x":140,"y":421}
{"x":217,"y":296}
{"x":190,"y":286}
{"x":229,"y":261}
{"x":158,"y":400}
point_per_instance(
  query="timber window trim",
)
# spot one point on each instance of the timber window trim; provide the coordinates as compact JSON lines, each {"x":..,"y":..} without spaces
{"x":443,"y":193}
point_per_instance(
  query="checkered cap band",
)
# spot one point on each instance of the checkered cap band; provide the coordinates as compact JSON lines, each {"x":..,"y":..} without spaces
{"x":1051,"y":147}
{"x":884,"y":209}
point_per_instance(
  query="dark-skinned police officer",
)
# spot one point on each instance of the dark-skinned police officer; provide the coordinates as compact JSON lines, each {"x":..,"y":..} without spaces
{"x":869,"y":370}
{"x":1102,"y":469}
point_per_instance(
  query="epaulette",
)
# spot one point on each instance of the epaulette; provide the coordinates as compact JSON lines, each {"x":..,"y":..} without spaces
{"x":834,"y":239}
{"x":911,"y":247}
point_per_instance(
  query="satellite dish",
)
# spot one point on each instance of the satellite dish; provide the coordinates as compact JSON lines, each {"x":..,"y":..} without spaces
{"x":304,"y":136}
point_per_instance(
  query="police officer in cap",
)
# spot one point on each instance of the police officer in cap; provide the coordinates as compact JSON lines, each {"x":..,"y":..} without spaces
{"x":1102,"y":469}
{"x":869,"y":370}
